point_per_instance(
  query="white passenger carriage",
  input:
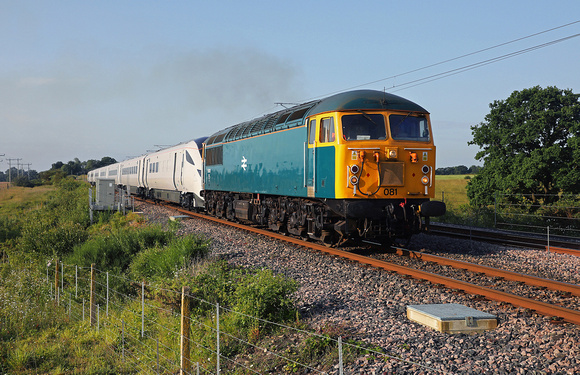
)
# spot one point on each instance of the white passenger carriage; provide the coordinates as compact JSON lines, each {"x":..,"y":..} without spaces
{"x":130,"y":177}
{"x":175,"y":174}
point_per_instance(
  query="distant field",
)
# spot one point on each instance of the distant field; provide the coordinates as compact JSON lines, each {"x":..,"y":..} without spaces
{"x":452,"y":189}
{"x":17,"y":196}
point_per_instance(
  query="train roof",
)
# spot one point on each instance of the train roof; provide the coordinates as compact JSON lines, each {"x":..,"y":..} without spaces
{"x":364,"y":100}
{"x":292,"y":117}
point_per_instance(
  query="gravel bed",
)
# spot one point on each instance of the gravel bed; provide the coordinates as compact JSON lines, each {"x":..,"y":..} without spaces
{"x":540,"y":293}
{"x":372,"y":304}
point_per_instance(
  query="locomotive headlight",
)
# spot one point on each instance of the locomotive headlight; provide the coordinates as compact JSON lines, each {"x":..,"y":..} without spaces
{"x":354,"y":169}
{"x":425,"y":180}
{"x":354,"y":180}
{"x":425,"y":169}
{"x":391,"y":153}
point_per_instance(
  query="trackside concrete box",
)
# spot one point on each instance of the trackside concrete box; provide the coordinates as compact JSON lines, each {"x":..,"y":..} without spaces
{"x":451,"y":318}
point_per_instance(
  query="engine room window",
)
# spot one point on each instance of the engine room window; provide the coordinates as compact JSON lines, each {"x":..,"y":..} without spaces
{"x":363,"y":127}
{"x":409,"y":128}
{"x":327,"y":130}
{"x":214,"y":155}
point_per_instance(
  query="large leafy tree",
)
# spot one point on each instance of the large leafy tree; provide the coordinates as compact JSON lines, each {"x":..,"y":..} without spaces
{"x":530,"y":144}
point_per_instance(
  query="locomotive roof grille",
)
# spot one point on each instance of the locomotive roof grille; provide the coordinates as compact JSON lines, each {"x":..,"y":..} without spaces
{"x":293,"y":117}
{"x":220,"y":137}
{"x":269,"y":125}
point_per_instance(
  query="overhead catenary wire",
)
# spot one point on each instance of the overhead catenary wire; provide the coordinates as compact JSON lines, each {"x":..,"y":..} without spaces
{"x":465,"y":68}
{"x":448,"y":73}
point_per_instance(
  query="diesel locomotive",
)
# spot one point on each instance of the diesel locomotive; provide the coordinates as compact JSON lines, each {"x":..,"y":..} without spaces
{"x":358,"y":165}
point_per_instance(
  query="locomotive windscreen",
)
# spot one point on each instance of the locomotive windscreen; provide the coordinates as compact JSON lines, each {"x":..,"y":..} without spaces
{"x":363,"y":127}
{"x":409,"y":128}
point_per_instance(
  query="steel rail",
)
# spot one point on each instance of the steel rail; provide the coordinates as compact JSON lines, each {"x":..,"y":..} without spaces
{"x":490,"y":271}
{"x":502,"y":237}
{"x":568,"y":315}
{"x":563,"y":250}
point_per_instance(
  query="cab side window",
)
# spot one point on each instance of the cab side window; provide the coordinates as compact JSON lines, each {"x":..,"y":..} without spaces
{"x":327,"y":133}
{"x":311,"y":132}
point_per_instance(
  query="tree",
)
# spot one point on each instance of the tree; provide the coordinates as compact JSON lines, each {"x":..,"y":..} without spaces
{"x":530,"y":144}
{"x":107,"y":160}
{"x":57,"y":165}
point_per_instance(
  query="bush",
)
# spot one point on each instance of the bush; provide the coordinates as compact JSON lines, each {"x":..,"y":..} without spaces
{"x":9,"y":228}
{"x":266,"y":296}
{"x":43,"y":233}
{"x":163,"y":262}
{"x":114,"y":252}
{"x":213,"y":282}
{"x":60,"y":224}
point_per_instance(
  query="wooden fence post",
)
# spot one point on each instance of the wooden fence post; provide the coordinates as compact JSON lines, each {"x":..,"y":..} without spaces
{"x":185,"y":323}
{"x":92,"y":304}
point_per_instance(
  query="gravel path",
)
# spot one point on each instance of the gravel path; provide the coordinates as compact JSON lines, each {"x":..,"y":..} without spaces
{"x":372,"y":304}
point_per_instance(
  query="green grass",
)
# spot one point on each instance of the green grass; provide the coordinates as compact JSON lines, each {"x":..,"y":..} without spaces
{"x":16,"y":199}
{"x":38,"y":336}
{"x":452,"y":189}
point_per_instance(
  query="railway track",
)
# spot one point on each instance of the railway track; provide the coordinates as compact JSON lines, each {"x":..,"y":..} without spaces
{"x":502,"y":237}
{"x":559,"y":313}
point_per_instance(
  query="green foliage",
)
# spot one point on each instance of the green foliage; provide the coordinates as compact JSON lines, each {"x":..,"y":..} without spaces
{"x":114,"y":251}
{"x":25,"y":182}
{"x":25,"y":307}
{"x":460,"y":169}
{"x":214,"y":282}
{"x":266,"y":296}
{"x":60,"y":224}
{"x":39,"y":337}
{"x":158,"y":262}
{"x":9,"y":228}
{"x":77,"y":167}
{"x":530,"y":144}
{"x":52,"y":176}
{"x":44,"y":234}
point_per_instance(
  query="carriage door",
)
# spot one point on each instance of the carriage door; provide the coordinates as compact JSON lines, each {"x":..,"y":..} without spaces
{"x":146,"y":171}
{"x":310,"y":159}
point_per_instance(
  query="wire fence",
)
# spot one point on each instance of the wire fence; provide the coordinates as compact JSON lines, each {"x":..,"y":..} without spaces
{"x":545,"y":214}
{"x":153,"y":337}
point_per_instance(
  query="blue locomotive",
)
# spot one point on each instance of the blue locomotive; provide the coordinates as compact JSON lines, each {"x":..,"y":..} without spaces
{"x":358,"y":165}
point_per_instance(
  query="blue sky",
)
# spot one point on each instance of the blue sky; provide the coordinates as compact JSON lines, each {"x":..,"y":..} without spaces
{"x":89,"y":79}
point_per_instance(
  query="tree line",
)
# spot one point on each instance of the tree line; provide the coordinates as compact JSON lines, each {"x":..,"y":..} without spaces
{"x":460,"y":169}
{"x":58,"y":171}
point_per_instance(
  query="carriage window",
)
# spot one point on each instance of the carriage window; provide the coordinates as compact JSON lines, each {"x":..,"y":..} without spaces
{"x":311,"y":131}
{"x":363,"y":127}
{"x":327,"y":130}
{"x":409,"y":128}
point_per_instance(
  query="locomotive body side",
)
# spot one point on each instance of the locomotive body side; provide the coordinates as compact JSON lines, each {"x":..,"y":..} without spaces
{"x":354,"y":165}
{"x":266,"y":164}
